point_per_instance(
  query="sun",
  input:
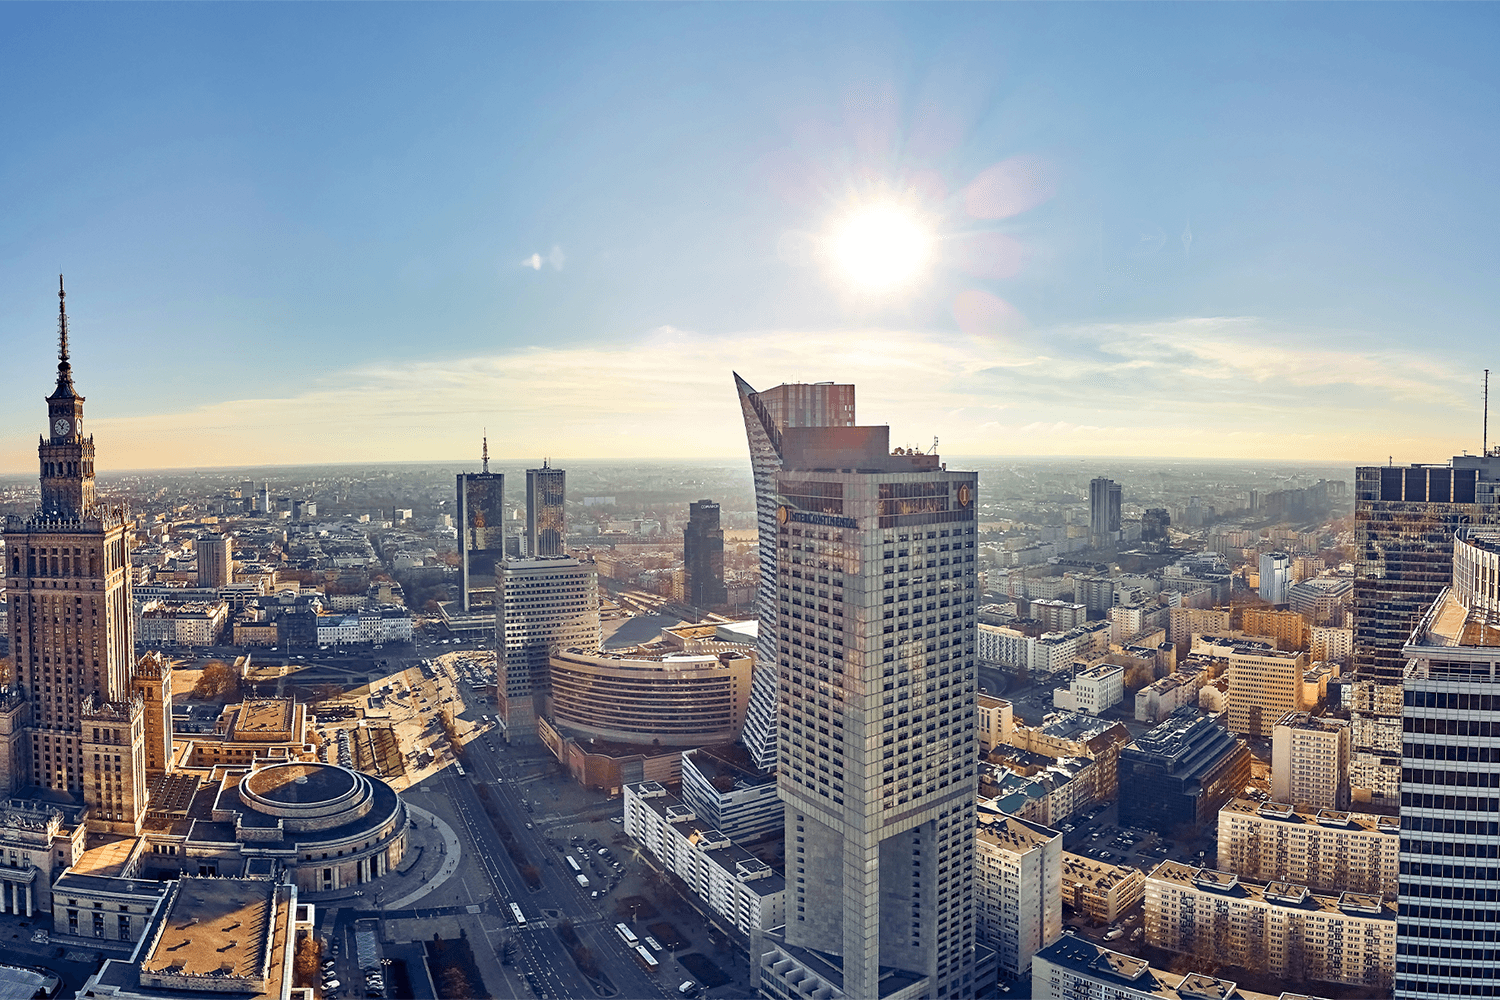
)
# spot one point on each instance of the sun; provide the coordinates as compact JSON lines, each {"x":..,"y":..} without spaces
{"x":880,"y":247}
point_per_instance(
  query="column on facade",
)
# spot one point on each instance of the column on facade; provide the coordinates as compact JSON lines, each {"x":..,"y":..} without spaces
{"x":28,"y":899}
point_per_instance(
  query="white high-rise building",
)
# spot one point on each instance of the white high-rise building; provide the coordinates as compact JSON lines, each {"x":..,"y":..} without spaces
{"x":1275,"y":576}
{"x":767,"y":414}
{"x":1310,"y":761}
{"x":540,"y":605}
{"x":1019,"y":892}
{"x":876,"y":603}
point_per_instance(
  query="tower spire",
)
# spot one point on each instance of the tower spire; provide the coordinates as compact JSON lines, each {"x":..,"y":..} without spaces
{"x":64,"y":370}
{"x":485,"y":454}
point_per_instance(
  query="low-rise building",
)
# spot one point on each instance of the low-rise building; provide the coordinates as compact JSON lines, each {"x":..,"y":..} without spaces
{"x":1050,"y":795}
{"x":1327,"y":850}
{"x":1078,"y":969}
{"x":1017,"y":888}
{"x":1159,"y":699}
{"x":1099,"y":890}
{"x":726,"y":790}
{"x":748,"y":893}
{"x":1092,"y":691}
{"x":1071,"y":734}
{"x":1278,"y":928}
{"x":187,"y":623}
{"x":995,"y":721}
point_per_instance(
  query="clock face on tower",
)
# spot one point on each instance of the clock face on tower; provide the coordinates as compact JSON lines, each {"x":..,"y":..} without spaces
{"x":60,"y":426}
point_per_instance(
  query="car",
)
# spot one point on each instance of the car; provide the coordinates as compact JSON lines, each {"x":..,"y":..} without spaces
{"x":332,"y":985}
{"x":1113,"y":934}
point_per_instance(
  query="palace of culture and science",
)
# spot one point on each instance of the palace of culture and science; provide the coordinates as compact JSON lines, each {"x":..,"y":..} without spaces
{"x":78,"y":723}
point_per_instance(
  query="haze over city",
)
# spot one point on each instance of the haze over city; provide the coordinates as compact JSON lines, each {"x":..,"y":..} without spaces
{"x":303,"y":234}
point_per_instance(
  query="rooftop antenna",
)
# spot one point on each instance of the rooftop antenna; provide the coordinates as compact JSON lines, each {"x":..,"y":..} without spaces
{"x":485,"y":454}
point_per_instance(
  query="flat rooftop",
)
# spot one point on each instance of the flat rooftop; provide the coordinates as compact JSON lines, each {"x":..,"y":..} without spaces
{"x":216,"y":926}
{"x":1012,"y":834}
{"x":1225,"y":884}
{"x":1283,"y":813}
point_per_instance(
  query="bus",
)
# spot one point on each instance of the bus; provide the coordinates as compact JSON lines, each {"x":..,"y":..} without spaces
{"x":653,"y":944}
{"x":583,"y":881}
{"x":573,"y":864}
{"x":515,"y":911}
{"x":648,"y":961}
{"x":627,"y":935}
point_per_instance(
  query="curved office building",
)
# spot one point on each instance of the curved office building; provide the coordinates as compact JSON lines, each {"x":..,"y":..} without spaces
{"x":676,"y":700}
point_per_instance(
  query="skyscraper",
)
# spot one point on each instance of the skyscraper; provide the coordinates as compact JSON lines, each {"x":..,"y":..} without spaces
{"x":1104,"y":512}
{"x":767,"y":414}
{"x":876,"y":600}
{"x":703,"y":556}
{"x":215,"y":560}
{"x":1449,"y":889}
{"x":1275,"y":576}
{"x":71,"y":631}
{"x":548,"y":600}
{"x":481,"y":526}
{"x":1404,"y":520}
{"x":546,"y":532}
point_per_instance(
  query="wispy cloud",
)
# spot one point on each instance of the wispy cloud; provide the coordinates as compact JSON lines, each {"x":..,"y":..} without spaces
{"x":1210,"y":387}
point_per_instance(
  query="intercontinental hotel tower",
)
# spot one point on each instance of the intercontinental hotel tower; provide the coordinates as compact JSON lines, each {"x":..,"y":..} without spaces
{"x":77,"y":722}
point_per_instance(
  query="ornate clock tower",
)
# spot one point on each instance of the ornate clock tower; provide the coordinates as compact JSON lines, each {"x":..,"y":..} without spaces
{"x":66,"y":456}
{"x":67,"y":574}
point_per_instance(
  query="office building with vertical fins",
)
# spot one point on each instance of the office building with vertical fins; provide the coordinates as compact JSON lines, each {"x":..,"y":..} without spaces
{"x":1449,"y":889}
{"x":767,"y":415}
{"x":542,"y":603}
{"x":77,"y":726}
{"x":481,"y":529}
{"x":1404,"y":520}
{"x":876,"y":600}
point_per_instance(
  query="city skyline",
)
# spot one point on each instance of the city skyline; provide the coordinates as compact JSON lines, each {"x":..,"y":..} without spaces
{"x":380,"y":230}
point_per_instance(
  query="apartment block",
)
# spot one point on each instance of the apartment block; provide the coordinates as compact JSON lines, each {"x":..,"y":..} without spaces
{"x":1101,"y":891}
{"x":1279,"y":928}
{"x":1092,"y":691}
{"x":1017,"y":889}
{"x":742,"y":889}
{"x":1264,"y":683}
{"x":1327,"y":850}
{"x":1077,"y":969}
{"x":994,"y":721}
{"x":1310,"y":761}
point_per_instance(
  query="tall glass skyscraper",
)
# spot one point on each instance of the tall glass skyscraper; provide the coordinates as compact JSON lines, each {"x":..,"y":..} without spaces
{"x":481,"y":527}
{"x":767,"y":415}
{"x":1449,"y":891}
{"x":1404,"y":521}
{"x":703,"y":556}
{"x":546,"y":530}
{"x":875,"y":600}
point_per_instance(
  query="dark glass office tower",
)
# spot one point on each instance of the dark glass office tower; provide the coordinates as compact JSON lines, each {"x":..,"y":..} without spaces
{"x":481,"y":527}
{"x":546,"y":535}
{"x":703,"y":556}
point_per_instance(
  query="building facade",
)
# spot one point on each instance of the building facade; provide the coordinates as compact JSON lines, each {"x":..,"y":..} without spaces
{"x":1104,"y":512}
{"x":1310,"y":761}
{"x":481,"y":528}
{"x":215,"y":560}
{"x":680,"y":699}
{"x":1279,"y":928}
{"x":703,"y":556}
{"x":1450,"y":881}
{"x":540,"y":605}
{"x":71,"y":628}
{"x":1329,"y":851}
{"x":767,"y":414}
{"x":1017,"y":889}
{"x":546,"y":525}
{"x":1100,"y":890}
{"x":1180,"y":773}
{"x":877,"y":596}
{"x":1275,"y":576}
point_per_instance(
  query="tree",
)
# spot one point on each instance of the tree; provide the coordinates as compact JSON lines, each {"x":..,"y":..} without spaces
{"x":217,"y":680}
{"x":305,"y":965}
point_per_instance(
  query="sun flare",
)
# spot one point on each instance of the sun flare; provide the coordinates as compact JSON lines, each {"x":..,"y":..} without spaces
{"x":880,"y":247}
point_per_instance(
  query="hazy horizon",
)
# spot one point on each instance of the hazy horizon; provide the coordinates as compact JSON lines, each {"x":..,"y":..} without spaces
{"x":359,"y":232}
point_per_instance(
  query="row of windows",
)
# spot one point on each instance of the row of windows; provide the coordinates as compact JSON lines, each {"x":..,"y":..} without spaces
{"x":1463,"y":803}
{"x":1473,"y":779}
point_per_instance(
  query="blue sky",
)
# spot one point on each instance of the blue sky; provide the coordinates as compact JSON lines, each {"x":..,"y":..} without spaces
{"x":296,"y":232}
